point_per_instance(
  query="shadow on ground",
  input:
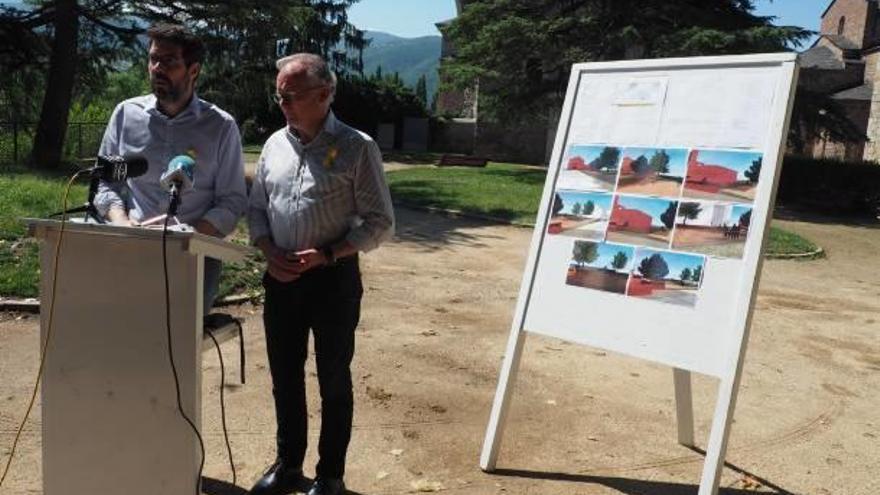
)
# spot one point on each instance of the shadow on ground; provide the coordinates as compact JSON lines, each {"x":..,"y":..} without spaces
{"x":433,"y":231}
{"x":210,"y":486}
{"x":630,"y":486}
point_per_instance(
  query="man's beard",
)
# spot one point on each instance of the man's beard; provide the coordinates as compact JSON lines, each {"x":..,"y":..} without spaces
{"x":170,"y":92}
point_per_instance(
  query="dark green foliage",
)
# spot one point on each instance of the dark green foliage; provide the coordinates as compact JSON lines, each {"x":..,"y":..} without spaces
{"x":522,"y":50}
{"x":607,"y":159}
{"x":746,"y":218}
{"x":365,"y":103}
{"x":660,"y":162}
{"x":558,"y":205}
{"x":585,"y":252}
{"x":619,"y":261}
{"x":589,"y":207}
{"x":754,"y":171}
{"x":686,"y":275}
{"x":689,"y":210}
{"x":697,"y":273}
{"x":640,"y":165}
{"x":654,"y":267}
{"x":830,"y":186}
{"x":668,"y":216}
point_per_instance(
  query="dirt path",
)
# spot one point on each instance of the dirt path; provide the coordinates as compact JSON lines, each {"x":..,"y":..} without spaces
{"x":437,"y":309}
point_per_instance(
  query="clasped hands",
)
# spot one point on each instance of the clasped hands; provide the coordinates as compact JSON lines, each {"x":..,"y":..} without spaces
{"x":287,"y":266}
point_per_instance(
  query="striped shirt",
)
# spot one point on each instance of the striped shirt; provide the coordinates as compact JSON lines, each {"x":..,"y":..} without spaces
{"x":137,"y":127}
{"x":311,"y":195}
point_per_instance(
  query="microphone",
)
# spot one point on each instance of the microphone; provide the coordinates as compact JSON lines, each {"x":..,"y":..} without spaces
{"x":177,"y":177}
{"x":179,"y":173}
{"x":115,"y":168}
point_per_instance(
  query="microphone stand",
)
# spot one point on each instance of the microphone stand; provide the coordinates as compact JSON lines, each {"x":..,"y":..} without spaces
{"x":89,"y":209}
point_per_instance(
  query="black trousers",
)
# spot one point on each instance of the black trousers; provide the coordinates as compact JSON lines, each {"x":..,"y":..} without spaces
{"x":326,"y":300}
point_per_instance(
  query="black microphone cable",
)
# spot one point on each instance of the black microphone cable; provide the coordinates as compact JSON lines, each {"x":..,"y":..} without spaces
{"x":45,"y":346}
{"x":223,"y":404}
{"x":171,"y":353}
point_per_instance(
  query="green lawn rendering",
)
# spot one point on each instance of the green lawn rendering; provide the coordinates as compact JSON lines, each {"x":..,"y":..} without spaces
{"x":506,"y":192}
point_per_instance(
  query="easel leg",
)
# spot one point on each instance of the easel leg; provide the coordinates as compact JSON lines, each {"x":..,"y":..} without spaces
{"x":497,"y":418}
{"x":717,"y":447}
{"x":684,"y":406}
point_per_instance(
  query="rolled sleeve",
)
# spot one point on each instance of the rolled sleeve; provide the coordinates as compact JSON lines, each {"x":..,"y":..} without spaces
{"x":372,"y":201}
{"x":257,"y":218}
{"x":230,"y":191}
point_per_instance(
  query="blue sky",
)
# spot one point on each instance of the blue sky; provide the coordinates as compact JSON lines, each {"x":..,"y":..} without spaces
{"x":652,"y":206}
{"x":677,"y":158}
{"x":413,"y":18}
{"x":606,"y":255}
{"x":675,"y":261}
{"x":734,"y":160}
{"x":569,"y":198}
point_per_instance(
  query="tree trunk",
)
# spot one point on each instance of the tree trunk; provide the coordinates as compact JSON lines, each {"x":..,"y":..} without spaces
{"x":49,"y":140}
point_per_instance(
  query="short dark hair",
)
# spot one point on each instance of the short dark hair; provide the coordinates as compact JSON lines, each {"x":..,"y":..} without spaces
{"x":191,"y":46}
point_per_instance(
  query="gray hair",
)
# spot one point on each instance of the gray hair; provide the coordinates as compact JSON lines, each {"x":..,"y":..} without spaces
{"x":316,"y":67}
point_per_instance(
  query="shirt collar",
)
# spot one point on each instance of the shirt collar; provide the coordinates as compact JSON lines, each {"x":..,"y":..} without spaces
{"x":329,"y":129}
{"x":194,"y":107}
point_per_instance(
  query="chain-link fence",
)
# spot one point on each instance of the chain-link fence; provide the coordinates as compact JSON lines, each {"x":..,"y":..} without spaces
{"x":17,"y":138}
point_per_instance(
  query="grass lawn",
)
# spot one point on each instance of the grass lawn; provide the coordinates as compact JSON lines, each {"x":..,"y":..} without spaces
{"x":501,"y":190}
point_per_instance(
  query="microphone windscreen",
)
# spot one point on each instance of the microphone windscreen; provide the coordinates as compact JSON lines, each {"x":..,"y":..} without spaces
{"x":137,"y":166}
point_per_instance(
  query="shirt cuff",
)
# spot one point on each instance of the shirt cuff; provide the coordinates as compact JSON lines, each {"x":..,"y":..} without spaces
{"x":222,"y":220}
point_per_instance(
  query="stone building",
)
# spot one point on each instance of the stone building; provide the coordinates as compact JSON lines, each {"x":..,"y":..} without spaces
{"x":842,"y":63}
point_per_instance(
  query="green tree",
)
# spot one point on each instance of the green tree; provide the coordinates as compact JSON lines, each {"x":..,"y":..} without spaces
{"x":746,"y":218}
{"x":589,"y":207}
{"x":619,"y":261}
{"x":686,"y":275}
{"x":558,"y":204}
{"x":689,"y":210}
{"x":422,"y":90}
{"x":697,"y":273}
{"x":654,"y":267}
{"x":640,"y":165}
{"x":585,"y":252}
{"x":668,"y":216}
{"x":754,"y":171}
{"x":607,"y":159}
{"x":576,"y":209}
{"x":660,"y":162}
{"x":521,"y":51}
{"x":76,"y":43}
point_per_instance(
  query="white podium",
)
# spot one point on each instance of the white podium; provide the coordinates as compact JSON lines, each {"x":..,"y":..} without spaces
{"x":109,"y":408}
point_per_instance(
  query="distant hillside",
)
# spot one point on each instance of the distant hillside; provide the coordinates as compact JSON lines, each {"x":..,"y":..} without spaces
{"x":409,"y":57}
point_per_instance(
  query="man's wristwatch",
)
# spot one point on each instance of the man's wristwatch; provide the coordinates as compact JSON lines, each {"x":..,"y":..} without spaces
{"x":327,"y":251}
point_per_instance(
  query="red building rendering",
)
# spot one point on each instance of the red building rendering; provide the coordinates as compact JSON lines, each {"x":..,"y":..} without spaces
{"x":577,"y":163}
{"x":626,"y":168}
{"x":629,"y":220}
{"x":708,"y":178}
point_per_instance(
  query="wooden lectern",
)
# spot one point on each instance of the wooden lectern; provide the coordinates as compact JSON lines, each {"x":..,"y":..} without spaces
{"x":110,"y":417}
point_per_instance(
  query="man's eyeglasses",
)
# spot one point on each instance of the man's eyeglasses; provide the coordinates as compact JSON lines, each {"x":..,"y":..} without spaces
{"x":282,"y":98}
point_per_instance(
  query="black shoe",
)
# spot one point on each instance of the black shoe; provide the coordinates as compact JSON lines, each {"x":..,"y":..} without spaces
{"x":280,"y":479}
{"x":327,"y":486}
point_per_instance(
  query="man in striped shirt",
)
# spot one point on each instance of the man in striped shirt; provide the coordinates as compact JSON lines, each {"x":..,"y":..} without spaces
{"x":318,"y":198}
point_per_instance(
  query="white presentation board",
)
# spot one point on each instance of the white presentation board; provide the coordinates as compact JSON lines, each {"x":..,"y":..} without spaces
{"x":655,"y":209}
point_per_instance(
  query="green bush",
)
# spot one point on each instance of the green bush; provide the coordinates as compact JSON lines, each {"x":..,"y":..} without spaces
{"x":830,"y":186}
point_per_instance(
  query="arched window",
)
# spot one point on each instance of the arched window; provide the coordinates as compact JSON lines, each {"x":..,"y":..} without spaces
{"x":841,"y":24}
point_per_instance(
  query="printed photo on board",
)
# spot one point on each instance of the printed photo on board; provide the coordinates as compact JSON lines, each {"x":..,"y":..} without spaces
{"x":589,"y":168}
{"x":664,"y":276}
{"x":652,"y":171}
{"x":717,"y":229}
{"x":641,"y":220}
{"x":600,"y":266}
{"x":722,"y":175}
{"x":580,"y":214}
